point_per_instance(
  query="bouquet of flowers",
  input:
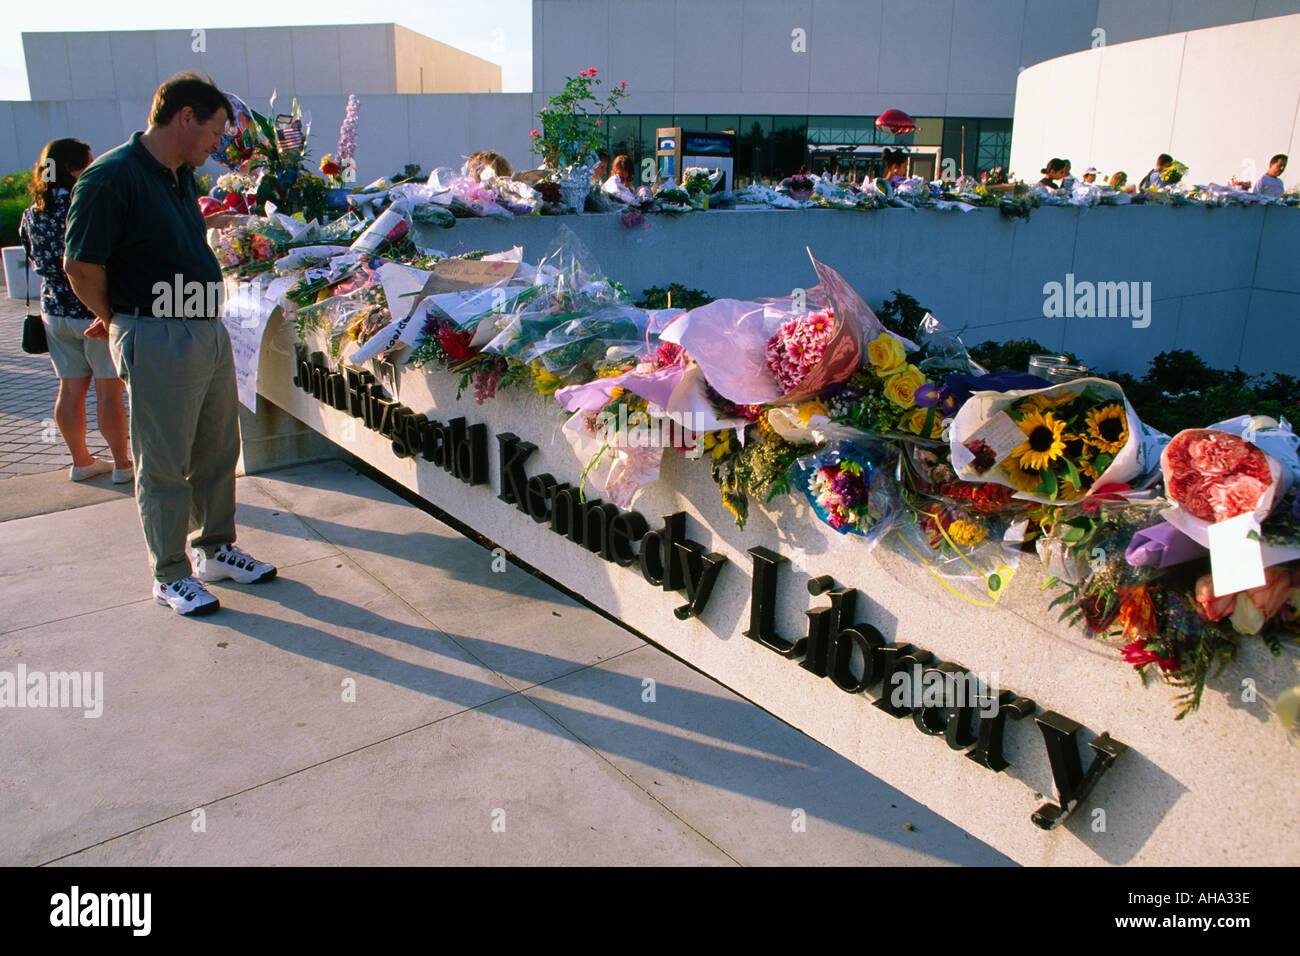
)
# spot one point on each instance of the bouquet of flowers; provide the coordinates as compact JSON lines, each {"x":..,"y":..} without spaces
{"x":1215,"y":476}
{"x":1276,"y":601}
{"x":248,"y":249}
{"x":966,"y":534}
{"x":699,"y":183}
{"x":800,"y":186}
{"x":1244,"y":465}
{"x":798,"y":346}
{"x":1053,"y":444}
{"x":1173,"y":173}
{"x":850,"y":487}
{"x":890,"y":395}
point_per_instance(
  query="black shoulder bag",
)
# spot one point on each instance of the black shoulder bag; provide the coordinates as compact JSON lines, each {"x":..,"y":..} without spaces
{"x":34,"y":341}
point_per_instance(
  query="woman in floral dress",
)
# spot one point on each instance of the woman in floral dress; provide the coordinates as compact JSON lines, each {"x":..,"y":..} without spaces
{"x":75,"y":357}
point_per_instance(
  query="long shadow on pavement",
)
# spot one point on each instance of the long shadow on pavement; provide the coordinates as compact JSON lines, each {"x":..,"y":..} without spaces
{"x":749,"y":774}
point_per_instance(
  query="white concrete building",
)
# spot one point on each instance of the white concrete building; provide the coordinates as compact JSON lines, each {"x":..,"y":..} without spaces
{"x":1223,"y":100}
{"x":784,"y":74}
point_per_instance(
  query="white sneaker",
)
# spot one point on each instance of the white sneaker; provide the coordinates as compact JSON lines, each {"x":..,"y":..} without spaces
{"x":122,"y":475}
{"x":96,"y":467}
{"x":230,"y":562}
{"x":187,"y":596}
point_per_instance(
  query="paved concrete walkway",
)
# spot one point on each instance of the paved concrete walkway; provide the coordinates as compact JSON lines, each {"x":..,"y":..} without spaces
{"x":389,"y":699}
{"x":29,"y":441}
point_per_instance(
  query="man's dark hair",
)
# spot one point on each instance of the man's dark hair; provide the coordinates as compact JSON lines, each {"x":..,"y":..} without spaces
{"x":197,"y":92}
{"x":1281,"y":156}
{"x":1164,"y":159}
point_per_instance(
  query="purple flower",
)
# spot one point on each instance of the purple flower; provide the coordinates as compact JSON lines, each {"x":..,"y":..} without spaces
{"x":930,"y":395}
{"x":927,"y":396}
{"x":348,"y":131}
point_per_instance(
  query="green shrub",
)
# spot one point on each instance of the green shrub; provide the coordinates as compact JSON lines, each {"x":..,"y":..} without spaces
{"x":1012,"y":356}
{"x":11,"y":211}
{"x":683,"y":298}
{"x":13,"y":200}
{"x":902,"y":315}
{"x":14,"y":185}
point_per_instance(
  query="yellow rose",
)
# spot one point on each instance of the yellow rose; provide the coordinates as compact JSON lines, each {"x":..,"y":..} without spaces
{"x":901,"y":387}
{"x":886,"y":354}
{"x":914,"y":422}
{"x":810,"y":408}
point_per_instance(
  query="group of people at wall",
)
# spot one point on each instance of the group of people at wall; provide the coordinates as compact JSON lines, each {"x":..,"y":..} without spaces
{"x":618,"y":185}
{"x":1056,"y":174}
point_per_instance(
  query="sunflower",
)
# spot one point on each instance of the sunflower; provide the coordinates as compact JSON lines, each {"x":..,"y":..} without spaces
{"x":1108,"y":428}
{"x":1023,"y":479}
{"x":1045,"y":444}
{"x":1043,"y":403}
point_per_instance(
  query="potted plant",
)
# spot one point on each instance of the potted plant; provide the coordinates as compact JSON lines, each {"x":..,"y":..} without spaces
{"x":571,"y":127}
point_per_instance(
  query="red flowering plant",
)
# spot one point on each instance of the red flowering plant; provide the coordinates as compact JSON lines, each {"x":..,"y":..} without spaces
{"x":571,"y":124}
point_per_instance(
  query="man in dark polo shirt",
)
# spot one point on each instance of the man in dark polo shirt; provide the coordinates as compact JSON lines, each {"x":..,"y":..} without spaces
{"x":135,"y":253}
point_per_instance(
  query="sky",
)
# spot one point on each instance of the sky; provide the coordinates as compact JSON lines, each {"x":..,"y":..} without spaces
{"x":498,"y":30}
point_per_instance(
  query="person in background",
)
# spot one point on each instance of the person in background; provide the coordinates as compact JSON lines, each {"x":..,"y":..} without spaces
{"x":475,"y":165}
{"x":76,"y":358}
{"x":1270,"y":184}
{"x":895,"y":163}
{"x":1153,"y":177}
{"x":134,"y":225}
{"x":895,"y":166}
{"x":1090,"y":175}
{"x":602,"y":167}
{"x":1067,"y":181}
{"x":619,"y":184}
{"x":1119,"y":180}
{"x":1053,"y":172}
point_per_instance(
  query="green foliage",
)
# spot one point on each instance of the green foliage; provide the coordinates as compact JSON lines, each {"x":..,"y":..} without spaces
{"x":14,"y":185}
{"x":13,"y":200}
{"x":1180,"y":390}
{"x":902,"y":315}
{"x":683,"y":298}
{"x":1013,"y":355}
{"x":571,"y":125}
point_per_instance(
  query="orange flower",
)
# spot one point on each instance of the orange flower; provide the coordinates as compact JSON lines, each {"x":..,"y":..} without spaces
{"x":1136,"y":613}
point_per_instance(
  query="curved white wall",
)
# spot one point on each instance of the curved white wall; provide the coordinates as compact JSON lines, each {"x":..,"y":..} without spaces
{"x":1221,"y":100}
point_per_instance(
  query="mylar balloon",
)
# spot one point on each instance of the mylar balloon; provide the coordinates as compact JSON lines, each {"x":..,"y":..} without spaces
{"x":237,"y":142}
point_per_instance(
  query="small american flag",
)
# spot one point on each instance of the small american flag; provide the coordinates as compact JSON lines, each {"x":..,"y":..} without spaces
{"x":288,"y":131}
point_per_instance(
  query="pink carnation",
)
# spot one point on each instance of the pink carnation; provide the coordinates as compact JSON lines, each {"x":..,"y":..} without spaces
{"x":1215,"y":476}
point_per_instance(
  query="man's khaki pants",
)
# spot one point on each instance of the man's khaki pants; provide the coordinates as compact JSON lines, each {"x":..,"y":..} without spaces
{"x":180,"y":376}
